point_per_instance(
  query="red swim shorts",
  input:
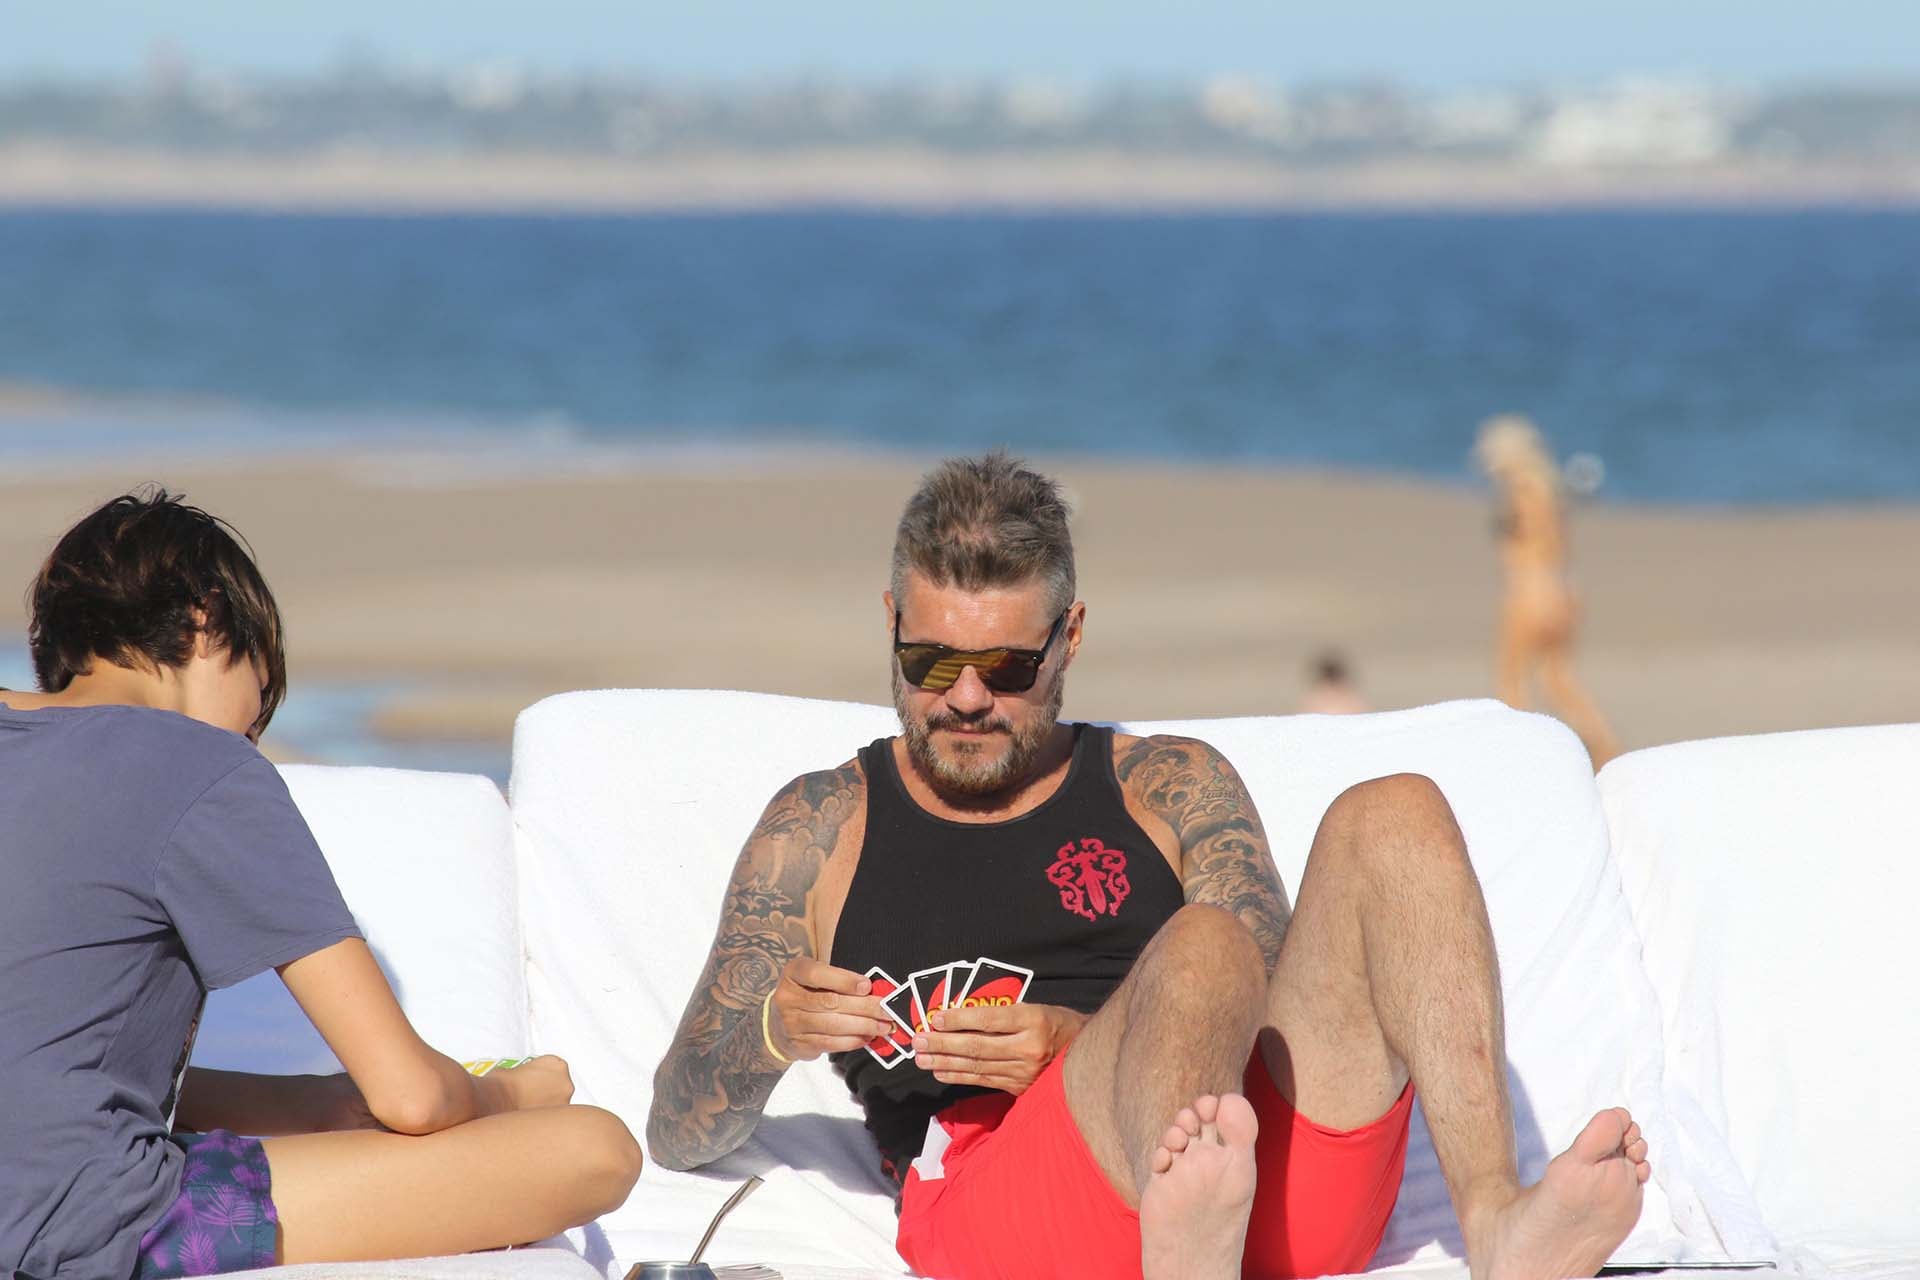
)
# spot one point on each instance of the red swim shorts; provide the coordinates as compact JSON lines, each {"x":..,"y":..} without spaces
{"x":1016,"y":1194}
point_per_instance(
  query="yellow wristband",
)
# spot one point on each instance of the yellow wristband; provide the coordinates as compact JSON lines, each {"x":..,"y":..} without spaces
{"x":766,"y":1032}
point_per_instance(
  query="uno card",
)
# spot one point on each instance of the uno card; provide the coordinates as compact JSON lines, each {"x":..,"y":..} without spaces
{"x":959,"y":978}
{"x":930,"y":992}
{"x":890,"y":1050}
{"x":995,"y":983}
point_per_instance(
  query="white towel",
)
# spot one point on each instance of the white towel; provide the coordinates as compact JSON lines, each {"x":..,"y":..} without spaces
{"x":1775,"y":880}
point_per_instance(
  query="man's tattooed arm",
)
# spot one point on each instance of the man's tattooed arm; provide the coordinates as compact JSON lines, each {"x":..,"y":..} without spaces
{"x":716,"y":1077}
{"x":1224,"y":860}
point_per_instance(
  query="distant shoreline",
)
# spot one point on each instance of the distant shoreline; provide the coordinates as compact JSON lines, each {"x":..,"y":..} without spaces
{"x":911,"y":181}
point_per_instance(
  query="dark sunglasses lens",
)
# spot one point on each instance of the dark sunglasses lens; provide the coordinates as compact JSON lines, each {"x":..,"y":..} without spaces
{"x":917,"y":663}
{"x":1014,"y":673}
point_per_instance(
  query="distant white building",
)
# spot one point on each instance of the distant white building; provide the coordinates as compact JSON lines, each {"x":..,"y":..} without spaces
{"x":1244,"y":106}
{"x":1042,"y":106}
{"x":1475,"y":118}
{"x":1639,"y":122}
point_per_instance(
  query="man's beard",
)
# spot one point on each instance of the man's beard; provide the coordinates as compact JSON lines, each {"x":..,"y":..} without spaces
{"x":968,"y":775}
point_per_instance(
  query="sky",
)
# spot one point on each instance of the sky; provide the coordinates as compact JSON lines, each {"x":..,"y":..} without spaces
{"x":1437,"y":43}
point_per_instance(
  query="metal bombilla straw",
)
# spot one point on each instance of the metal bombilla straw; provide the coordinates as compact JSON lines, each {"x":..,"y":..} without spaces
{"x":694,"y":1269}
{"x":747,"y":1188}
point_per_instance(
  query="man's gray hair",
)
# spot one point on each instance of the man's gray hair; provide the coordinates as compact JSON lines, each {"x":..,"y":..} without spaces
{"x":986,"y":522}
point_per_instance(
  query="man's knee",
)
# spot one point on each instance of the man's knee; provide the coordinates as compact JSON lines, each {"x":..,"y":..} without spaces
{"x":1206,"y":954}
{"x":1402,"y":814}
{"x":1395,"y":797}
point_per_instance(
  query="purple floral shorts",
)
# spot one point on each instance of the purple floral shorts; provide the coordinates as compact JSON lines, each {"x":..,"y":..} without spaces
{"x":223,"y":1220}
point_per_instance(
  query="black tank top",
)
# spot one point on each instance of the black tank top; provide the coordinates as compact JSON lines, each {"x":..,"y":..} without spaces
{"x":1072,"y":890}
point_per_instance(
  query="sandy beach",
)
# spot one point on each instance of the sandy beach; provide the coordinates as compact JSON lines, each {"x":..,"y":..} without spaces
{"x":909,"y":179}
{"x":485,"y":586}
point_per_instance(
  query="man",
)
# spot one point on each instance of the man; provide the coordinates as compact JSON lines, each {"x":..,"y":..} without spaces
{"x":1107,"y":1126}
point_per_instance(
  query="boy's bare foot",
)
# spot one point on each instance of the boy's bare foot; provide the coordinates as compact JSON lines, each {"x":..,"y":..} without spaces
{"x":1193,"y":1213}
{"x":1570,"y":1222}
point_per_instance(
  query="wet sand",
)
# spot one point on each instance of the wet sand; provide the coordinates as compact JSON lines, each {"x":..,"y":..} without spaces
{"x":1208,"y":589}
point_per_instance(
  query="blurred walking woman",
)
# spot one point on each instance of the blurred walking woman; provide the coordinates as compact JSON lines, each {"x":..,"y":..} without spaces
{"x":1539,"y":614}
{"x":149,"y":853}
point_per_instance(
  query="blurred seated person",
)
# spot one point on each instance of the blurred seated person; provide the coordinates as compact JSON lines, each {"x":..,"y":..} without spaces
{"x":1330,"y":691}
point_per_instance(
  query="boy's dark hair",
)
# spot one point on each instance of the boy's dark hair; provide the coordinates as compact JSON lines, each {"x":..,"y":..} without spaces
{"x":129,"y":584}
{"x":986,"y":522}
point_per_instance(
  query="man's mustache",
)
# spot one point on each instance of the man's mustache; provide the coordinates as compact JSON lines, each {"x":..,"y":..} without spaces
{"x":948,"y":720}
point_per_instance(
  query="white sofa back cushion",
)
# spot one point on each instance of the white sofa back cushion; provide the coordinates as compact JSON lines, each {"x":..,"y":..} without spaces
{"x":1774,"y":880}
{"x":632,"y":805}
{"x":426,"y":863}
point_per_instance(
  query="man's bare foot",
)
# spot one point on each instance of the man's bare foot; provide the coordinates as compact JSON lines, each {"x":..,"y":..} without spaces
{"x":1570,"y":1222}
{"x":1193,"y":1213}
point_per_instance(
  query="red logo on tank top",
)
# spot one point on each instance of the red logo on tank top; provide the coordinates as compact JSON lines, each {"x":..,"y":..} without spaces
{"x":1091,"y":878}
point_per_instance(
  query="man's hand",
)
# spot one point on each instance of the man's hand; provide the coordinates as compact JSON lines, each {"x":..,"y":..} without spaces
{"x":819,"y":1009}
{"x":539,"y":1082}
{"x":1003,"y":1047}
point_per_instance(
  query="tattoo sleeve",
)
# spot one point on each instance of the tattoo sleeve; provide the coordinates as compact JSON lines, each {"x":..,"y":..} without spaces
{"x":1224,"y":857}
{"x":717,"y":1076}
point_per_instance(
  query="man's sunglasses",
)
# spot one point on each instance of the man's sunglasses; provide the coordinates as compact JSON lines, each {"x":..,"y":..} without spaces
{"x":934,"y":667}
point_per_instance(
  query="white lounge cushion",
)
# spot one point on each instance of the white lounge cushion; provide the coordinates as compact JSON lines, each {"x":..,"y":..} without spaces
{"x":426,"y":863}
{"x":632,"y":805}
{"x":1775,"y":880}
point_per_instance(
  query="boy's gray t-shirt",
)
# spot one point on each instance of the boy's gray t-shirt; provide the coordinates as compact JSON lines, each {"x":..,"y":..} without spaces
{"x":145,"y":858}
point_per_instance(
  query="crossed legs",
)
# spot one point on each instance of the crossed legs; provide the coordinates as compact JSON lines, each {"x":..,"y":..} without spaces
{"x":1388,"y":973}
{"x":500,"y":1180}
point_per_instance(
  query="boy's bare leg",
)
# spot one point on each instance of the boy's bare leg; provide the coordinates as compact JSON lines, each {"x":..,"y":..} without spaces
{"x":1389,"y":972}
{"x":500,"y":1180}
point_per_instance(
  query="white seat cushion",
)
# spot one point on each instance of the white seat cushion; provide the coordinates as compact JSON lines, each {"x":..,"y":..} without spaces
{"x":426,"y":864}
{"x":1774,"y":880}
{"x":632,"y":805}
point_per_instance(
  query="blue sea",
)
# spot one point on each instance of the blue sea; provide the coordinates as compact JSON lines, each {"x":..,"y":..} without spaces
{"x":1702,"y":357}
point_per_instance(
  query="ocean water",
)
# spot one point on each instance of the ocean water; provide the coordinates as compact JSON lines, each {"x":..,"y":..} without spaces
{"x":1703,"y":357}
